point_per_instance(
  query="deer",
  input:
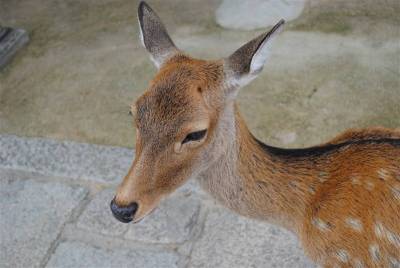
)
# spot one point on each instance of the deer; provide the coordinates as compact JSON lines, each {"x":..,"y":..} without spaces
{"x":340,"y":198}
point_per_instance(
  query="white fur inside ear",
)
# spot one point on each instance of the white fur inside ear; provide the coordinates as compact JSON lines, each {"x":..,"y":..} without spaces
{"x":263,"y":53}
{"x":238,"y":82}
{"x":156,"y":59}
{"x":141,"y":34}
{"x":152,"y":58}
{"x":156,"y":63}
{"x":260,"y":57}
{"x":257,"y":63}
{"x":233,"y":83}
{"x":160,"y":59}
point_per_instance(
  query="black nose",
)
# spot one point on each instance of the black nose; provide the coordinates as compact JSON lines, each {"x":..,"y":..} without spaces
{"x":123,"y":214}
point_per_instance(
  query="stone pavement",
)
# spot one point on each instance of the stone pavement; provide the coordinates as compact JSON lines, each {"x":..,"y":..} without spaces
{"x":54,"y":213}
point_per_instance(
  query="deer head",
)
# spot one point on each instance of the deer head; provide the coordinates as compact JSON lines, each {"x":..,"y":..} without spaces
{"x":184,"y":120}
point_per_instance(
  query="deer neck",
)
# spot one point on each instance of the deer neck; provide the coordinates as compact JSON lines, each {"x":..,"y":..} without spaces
{"x":252,"y":180}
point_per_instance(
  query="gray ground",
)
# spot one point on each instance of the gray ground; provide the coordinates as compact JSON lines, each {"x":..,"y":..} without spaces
{"x":334,"y":67}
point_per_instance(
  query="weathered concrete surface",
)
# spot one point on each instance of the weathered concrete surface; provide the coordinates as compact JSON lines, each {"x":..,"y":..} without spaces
{"x":66,"y":159}
{"x":32,"y":215}
{"x":336,"y":66}
{"x":256,"y":14}
{"x":232,"y":241}
{"x":172,"y":222}
{"x":97,"y":216}
{"x":76,"y":254}
{"x":55,"y":221}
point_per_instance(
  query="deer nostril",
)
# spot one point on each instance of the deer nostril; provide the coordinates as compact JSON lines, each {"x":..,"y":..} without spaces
{"x":124,"y":214}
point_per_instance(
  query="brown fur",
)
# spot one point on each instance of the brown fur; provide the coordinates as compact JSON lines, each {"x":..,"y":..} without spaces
{"x":341,"y":198}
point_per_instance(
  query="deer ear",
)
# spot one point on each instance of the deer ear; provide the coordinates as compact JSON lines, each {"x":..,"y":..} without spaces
{"x":248,"y":61}
{"x":154,"y":36}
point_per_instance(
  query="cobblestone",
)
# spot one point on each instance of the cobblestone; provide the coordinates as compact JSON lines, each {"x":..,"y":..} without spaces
{"x":233,"y":241}
{"x":172,"y":222}
{"x":97,"y":216}
{"x":77,"y":254}
{"x":97,"y":163}
{"x":32,"y":215}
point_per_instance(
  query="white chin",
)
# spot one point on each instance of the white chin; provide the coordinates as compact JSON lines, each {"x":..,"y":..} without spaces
{"x":141,"y":218}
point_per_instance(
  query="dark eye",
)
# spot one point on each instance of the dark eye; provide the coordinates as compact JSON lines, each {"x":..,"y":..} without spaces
{"x":195,"y":136}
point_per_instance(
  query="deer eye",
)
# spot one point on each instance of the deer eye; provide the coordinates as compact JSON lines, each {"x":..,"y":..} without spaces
{"x":195,"y":136}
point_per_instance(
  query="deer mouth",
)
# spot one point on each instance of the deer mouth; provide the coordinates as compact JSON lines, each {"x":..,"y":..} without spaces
{"x":134,"y":221}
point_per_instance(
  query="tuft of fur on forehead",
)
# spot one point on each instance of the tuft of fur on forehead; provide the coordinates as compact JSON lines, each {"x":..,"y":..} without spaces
{"x":176,"y":93}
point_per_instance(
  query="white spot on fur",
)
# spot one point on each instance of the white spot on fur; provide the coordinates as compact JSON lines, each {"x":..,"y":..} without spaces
{"x":383,"y":233}
{"x":396,"y":192}
{"x":321,"y":225}
{"x":379,"y":229}
{"x":358,"y":263}
{"x":369,"y":186}
{"x":354,"y":224}
{"x":323,"y":176}
{"x":343,"y":255}
{"x":383,"y":174}
{"x":311,"y":190}
{"x":374,"y":251}
{"x":393,"y":238}
{"x":355,"y":181}
{"x":394,"y":263}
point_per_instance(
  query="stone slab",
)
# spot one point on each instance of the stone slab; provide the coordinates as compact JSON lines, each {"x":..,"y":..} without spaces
{"x":172,"y":222}
{"x":256,"y":14}
{"x":97,"y":163}
{"x":97,"y":216}
{"x":31,"y":217}
{"x":78,"y":254}
{"x":230,"y":241}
